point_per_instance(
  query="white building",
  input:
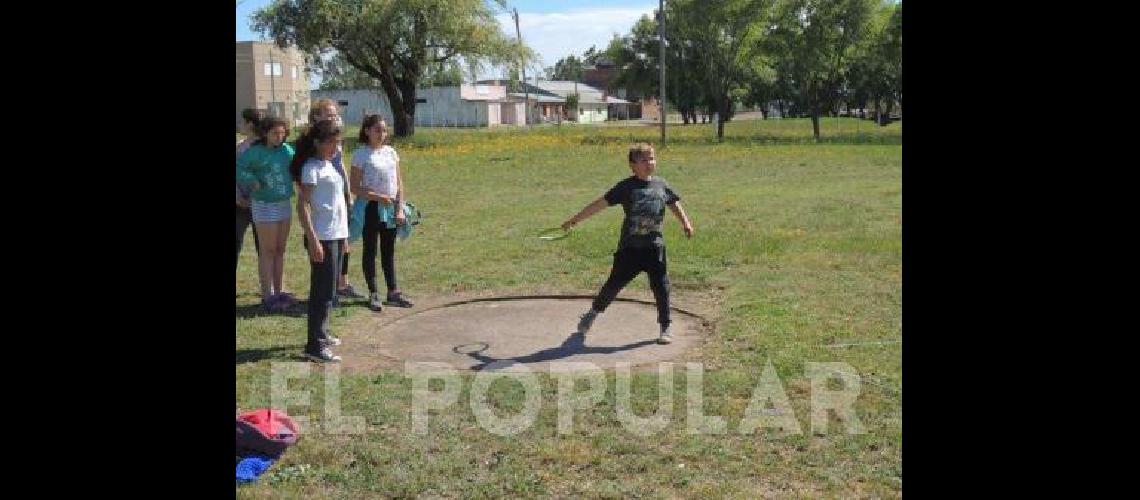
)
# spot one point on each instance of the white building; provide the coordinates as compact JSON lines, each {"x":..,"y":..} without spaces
{"x":592,"y":105}
{"x":457,"y":106}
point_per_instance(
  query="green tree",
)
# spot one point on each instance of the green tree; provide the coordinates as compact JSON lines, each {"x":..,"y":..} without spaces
{"x":337,"y":74}
{"x":394,"y":42}
{"x":875,"y":75}
{"x":568,"y":68}
{"x":720,"y":44}
{"x":572,"y":106}
{"x":592,"y":56}
{"x":814,"y":43}
{"x":447,"y":74}
{"x":636,"y":58}
{"x":514,"y":81}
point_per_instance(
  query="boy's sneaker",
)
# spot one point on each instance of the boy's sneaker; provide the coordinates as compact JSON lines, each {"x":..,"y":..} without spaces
{"x":374,"y":302}
{"x":587,"y":321}
{"x":323,"y":356}
{"x":666,"y":336}
{"x":331,"y":341}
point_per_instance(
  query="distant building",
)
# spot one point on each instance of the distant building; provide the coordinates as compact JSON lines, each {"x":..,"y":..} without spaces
{"x":272,"y":79}
{"x":455,"y":106}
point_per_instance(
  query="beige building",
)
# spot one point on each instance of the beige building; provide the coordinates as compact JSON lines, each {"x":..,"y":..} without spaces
{"x":272,"y":79}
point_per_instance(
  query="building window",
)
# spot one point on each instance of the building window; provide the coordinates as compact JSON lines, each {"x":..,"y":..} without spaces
{"x":294,"y":72}
{"x":273,"y":69}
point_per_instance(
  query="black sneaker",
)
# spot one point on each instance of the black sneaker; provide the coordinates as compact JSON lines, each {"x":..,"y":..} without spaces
{"x":349,"y":292}
{"x":398,"y":300}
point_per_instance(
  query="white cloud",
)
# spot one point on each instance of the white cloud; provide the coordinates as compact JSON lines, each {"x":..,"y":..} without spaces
{"x":555,"y":35}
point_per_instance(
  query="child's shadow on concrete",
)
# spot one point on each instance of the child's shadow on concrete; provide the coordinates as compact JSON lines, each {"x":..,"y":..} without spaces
{"x":574,"y":344}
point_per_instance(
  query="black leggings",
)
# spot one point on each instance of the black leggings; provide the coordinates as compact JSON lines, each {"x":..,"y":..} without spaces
{"x":628,"y":263}
{"x":373,"y":227}
{"x":244,"y":220}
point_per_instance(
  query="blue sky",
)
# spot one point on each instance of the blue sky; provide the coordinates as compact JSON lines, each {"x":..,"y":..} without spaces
{"x":553,"y":28}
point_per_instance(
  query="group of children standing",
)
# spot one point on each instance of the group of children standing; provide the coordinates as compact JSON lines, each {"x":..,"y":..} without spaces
{"x":270,"y":171}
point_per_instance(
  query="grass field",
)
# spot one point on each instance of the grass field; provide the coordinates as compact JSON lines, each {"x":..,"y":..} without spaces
{"x":797,"y":247}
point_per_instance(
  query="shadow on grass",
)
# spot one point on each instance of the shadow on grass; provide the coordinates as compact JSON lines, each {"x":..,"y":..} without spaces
{"x":244,"y":356}
{"x":256,"y":311}
{"x":574,"y":344}
{"x":299,"y":310}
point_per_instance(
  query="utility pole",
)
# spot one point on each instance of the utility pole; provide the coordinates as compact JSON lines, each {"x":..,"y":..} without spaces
{"x":522,"y":64}
{"x":272,"y":89}
{"x":661,"y":39}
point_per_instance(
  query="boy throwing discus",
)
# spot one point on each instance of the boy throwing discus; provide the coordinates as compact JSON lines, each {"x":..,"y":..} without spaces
{"x":643,"y":197}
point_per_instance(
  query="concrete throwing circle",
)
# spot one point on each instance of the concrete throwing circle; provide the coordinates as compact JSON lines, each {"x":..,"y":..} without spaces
{"x":537,"y":332}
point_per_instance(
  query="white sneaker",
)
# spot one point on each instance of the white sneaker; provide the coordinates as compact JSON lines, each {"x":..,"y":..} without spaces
{"x":330,"y":342}
{"x":666,"y":336}
{"x":324,"y":356}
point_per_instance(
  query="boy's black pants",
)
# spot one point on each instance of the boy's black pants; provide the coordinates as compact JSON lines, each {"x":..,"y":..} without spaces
{"x":628,"y":263}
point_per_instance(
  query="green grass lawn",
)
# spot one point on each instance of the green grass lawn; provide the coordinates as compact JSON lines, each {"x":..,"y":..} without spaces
{"x":798,"y":245}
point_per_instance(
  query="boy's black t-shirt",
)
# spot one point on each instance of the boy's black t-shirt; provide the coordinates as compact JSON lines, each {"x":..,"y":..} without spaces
{"x":644,"y":205}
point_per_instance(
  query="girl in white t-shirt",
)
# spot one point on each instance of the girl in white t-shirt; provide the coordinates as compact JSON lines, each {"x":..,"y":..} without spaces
{"x":323,"y":214}
{"x":376,"y":177}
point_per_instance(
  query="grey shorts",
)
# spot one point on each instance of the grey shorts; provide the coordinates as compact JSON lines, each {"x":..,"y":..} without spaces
{"x":277,"y":211}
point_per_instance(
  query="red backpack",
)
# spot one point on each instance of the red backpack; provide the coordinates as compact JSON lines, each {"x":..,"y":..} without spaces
{"x":265,"y":432}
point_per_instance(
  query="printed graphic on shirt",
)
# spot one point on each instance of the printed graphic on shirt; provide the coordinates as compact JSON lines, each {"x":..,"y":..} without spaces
{"x":644,"y":203}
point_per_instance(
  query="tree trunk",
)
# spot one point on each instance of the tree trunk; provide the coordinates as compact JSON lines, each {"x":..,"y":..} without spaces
{"x":401,"y":93}
{"x":404,"y":121}
{"x":405,"y":112}
{"x":401,"y":120}
{"x":723,"y":115}
{"x":815,"y":124}
{"x":396,"y":99}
